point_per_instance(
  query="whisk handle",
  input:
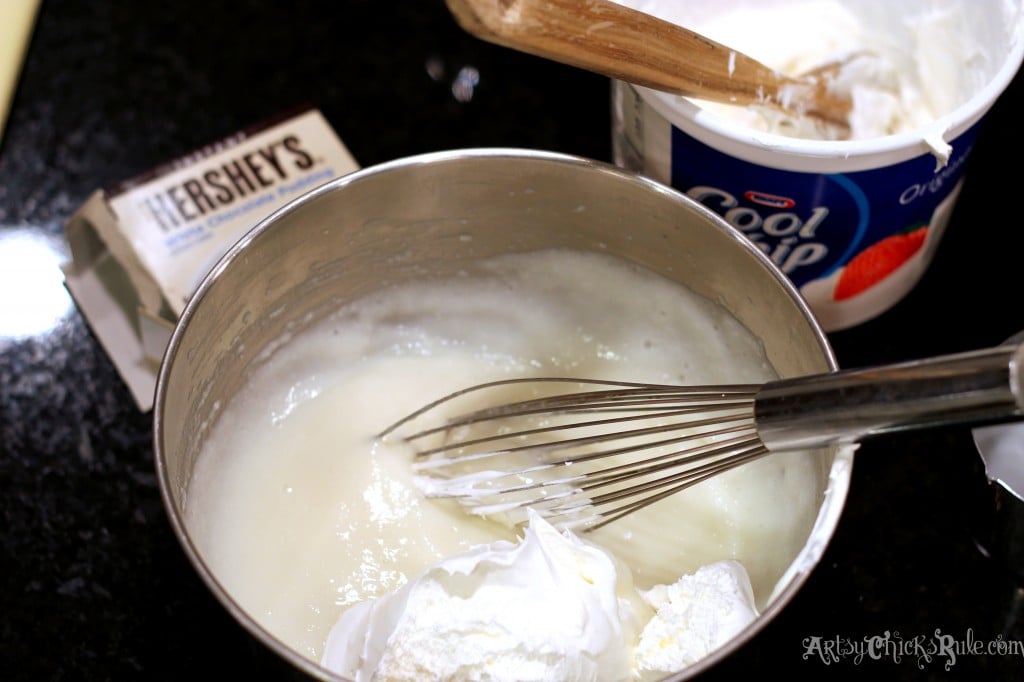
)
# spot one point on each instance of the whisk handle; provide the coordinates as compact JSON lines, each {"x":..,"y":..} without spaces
{"x":848,"y":406}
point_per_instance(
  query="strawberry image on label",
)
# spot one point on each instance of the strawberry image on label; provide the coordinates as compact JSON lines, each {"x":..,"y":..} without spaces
{"x":878,"y":261}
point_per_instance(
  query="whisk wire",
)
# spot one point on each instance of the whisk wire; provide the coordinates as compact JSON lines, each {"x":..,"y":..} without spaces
{"x":626,"y":391}
{"x":547,"y":449}
{"x":576,"y":500}
{"x":667,"y":486}
{"x":576,"y":455}
{"x":584,"y":455}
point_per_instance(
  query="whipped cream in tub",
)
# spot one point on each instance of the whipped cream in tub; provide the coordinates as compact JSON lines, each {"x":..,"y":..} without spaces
{"x":854,"y":223}
{"x":304,"y":516}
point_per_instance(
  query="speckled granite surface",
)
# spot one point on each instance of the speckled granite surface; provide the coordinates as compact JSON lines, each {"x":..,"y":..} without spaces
{"x":93,"y":584}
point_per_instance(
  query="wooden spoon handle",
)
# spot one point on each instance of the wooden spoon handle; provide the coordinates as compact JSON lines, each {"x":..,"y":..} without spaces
{"x":622,"y":43}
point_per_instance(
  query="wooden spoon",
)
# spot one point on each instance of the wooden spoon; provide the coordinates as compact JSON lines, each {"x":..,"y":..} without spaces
{"x":626,"y":44}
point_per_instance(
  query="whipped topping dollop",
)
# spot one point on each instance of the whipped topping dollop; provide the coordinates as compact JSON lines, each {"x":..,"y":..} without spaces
{"x":549,"y":607}
{"x":695,"y":616}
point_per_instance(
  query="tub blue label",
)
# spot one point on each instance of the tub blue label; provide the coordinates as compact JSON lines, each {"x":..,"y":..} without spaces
{"x":810,"y":225}
{"x":836,"y":236}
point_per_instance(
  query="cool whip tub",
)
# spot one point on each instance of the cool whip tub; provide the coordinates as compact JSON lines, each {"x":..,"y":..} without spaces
{"x":853,"y":223}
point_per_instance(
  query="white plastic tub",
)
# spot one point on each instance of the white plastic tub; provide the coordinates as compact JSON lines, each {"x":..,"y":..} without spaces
{"x":813,"y":205}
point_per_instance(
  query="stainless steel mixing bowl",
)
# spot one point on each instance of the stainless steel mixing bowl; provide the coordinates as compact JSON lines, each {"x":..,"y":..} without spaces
{"x":437,"y":214}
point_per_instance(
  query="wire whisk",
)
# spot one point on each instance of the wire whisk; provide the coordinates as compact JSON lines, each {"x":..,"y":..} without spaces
{"x":585,"y":452}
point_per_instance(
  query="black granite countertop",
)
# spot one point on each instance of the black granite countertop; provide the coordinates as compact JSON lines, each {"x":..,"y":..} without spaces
{"x":93,"y":584}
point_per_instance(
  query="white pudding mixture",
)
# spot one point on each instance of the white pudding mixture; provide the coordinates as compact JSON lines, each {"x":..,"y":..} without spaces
{"x":301,"y":513}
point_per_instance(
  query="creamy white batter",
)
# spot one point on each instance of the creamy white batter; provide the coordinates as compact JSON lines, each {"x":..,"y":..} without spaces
{"x":300,"y":513}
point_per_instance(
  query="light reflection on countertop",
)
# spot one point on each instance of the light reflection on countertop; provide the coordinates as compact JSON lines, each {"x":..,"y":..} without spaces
{"x":33,"y":299}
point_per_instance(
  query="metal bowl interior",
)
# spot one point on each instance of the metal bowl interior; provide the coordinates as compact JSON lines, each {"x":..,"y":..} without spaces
{"x":435,"y":215}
